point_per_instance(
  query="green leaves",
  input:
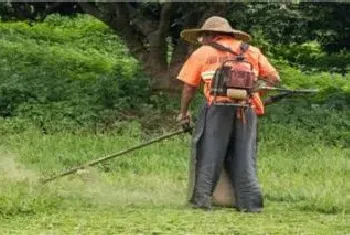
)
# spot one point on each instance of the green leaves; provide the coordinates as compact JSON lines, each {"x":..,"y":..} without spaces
{"x":67,"y":72}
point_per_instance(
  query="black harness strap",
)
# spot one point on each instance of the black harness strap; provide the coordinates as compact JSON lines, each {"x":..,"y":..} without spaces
{"x":243,"y":48}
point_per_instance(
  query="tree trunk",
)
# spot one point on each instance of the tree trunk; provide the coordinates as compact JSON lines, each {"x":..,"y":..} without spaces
{"x":146,"y":37}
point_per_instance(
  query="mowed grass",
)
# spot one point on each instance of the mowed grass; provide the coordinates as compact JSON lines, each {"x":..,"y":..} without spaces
{"x":305,"y":187}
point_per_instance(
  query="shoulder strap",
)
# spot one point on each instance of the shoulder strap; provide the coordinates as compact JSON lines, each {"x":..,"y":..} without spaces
{"x":221,"y":48}
{"x":243,"y":47}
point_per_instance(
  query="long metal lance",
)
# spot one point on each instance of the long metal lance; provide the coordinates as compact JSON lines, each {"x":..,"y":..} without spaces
{"x":102,"y":159}
{"x":288,"y":90}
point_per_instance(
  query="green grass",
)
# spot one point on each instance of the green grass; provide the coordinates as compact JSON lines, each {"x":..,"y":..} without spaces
{"x":305,"y":187}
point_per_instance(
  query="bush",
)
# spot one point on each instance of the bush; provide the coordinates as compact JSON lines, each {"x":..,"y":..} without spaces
{"x":309,"y":56}
{"x":58,"y":73}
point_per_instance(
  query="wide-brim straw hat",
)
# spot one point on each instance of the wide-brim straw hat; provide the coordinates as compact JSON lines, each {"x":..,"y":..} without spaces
{"x":214,"y":24}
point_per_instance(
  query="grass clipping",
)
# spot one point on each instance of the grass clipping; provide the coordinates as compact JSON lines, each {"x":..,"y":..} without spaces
{"x":13,"y":171}
{"x":122,"y":190}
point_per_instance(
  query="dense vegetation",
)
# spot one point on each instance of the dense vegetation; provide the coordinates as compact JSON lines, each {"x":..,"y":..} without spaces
{"x":151,"y":30}
{"x":70,"y":91}
{"x":68,"y":72}
{"x":74,"y":75}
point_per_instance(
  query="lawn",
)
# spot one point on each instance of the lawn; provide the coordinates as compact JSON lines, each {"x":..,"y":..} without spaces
{"x":305,"y":188}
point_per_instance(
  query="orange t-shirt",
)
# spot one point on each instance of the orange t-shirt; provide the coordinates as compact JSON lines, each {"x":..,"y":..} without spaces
{"x":201,"y":65}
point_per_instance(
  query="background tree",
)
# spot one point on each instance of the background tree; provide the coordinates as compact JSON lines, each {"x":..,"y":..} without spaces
{"x":151,"y":30}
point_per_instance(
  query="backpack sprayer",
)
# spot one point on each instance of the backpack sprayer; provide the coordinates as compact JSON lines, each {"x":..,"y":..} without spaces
{"x":236,"y":80}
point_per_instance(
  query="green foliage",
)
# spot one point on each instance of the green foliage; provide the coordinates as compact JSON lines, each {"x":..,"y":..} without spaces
{"x":310,"y":56}
{"x":58,"y":71}
{"x":310,"y":36}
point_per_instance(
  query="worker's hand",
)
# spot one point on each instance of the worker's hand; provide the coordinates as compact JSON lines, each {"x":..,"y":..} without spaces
{"x":185,"y":121}
{"x":183,"y":116}
{"x":261,"y":83}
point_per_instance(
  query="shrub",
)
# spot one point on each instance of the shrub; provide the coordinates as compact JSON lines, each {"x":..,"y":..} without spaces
{"x":59,"y":73}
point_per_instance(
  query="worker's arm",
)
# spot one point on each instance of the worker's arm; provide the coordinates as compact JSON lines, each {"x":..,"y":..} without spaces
{"x":270,"y":80}
{"x":267,"y":71}
{"x":273,"y":79}
{"x":188,"y":92}
{"x":190,"y":75}
{"x":268,"y":74}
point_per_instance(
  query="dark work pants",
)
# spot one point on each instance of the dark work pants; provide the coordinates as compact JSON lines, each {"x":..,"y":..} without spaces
{"x":222,"y":140}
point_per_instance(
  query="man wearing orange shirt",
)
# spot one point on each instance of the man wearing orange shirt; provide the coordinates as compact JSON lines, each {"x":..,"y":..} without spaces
{"x":221,"y":138}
